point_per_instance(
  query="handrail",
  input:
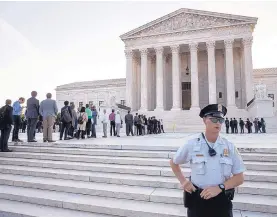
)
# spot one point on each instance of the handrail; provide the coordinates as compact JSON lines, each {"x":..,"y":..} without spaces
{"x":250,"y":102}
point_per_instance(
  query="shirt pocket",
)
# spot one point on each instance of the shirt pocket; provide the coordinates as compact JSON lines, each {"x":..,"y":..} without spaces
{"x":199,"y":165}
{"x":226,"y":164}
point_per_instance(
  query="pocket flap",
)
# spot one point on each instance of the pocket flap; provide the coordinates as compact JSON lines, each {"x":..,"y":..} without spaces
{"x":199,"y":160}
{"x":226,"y":160}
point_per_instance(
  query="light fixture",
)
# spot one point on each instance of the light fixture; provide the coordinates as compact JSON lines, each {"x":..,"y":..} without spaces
{"x":187,"y":69}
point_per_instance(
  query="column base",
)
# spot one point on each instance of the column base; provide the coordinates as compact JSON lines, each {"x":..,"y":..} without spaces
{"x":176,"y":109}
{"x":142,"y":110}
{"x":195,"y":109}
{"x":159,"y":109}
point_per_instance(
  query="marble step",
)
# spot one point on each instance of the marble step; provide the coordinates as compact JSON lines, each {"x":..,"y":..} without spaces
{"x":10,"y":208}
{"x":157,"y":162}
{"x":124,"y":179}
{"x":131,"y":153}
{"x":104,"y":205}
{"x":122,"y":191}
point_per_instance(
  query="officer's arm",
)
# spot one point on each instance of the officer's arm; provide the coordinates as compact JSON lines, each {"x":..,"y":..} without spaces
{"x":237,"y":170}
{"x":181,"y":157}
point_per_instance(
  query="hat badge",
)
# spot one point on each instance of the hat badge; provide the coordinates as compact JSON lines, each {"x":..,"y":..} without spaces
{"x":219,"y":107}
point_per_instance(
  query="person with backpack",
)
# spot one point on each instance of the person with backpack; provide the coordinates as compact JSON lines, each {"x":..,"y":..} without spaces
{"x":66,"y":118}
{"x":6,"y":121}
{"x":82,"y":121}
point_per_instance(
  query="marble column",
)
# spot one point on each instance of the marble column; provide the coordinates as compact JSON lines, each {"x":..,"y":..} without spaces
{"x":176,"y":78}
{"x":129,"y":79}
{"x":159,"y":79}
{"x":230,"y":80}
{"x":194,"y":76}
{"x":248,"y":68}
{"x":144,"y":87}
{"x":211,"y":72}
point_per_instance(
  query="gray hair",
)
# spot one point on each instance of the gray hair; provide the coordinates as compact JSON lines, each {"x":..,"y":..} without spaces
{"x":48,"y":95}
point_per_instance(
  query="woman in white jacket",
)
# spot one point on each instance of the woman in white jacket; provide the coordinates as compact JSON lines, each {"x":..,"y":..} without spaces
{"x":118,"y":123}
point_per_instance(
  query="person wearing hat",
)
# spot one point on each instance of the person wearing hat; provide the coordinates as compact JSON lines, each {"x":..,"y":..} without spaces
{"x":216,"y":168}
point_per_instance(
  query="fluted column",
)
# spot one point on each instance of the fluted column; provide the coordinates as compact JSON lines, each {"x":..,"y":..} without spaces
{"x":129,"y":79}
{"x":159,"y":79}
{"x":194,"y":76}
{"x":144,"y":86}
{"x":230,"y":80}
{"x":248,"y":68}
{"x":211,"y":72}
{"x":176,"y":78}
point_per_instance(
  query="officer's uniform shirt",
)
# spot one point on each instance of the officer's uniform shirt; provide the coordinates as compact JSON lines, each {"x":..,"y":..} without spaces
{"x":206,"y":170}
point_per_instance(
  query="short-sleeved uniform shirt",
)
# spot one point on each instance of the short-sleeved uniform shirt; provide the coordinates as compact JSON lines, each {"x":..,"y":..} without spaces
{"x":206,"y":170}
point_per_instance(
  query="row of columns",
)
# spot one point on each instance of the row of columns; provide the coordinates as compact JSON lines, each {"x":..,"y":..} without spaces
{"x":176,"y":75}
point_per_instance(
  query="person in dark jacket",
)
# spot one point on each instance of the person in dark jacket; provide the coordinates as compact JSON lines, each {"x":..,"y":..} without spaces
{"x":32,"y":115}
{"x":129,"y":121}
{"x":66,"y":120}
{"x":227,"y":125}
{"x":6,"y":125}
{"x":232,"y":125}
{"x":248,"y":126}
{"x":241,"y":124}
{"x":263,"y":125}
{"x":235,"y":125}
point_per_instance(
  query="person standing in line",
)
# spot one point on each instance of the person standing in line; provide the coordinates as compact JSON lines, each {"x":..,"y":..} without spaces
{"x":74,"y":123}
{"x":89,"y":114}
{"x":112,"y":123}
{"x":232,"y":125}
{"x":235,"y":125}
{"x":32,"y":115}
{"x":129,"y":124}
{"x":6,"y":121}
{"x":94,"y":115}
{"x":256,"y":125}
{"x":118,"y":123}
{"x":162,"y":125}
{"x":24,"y":126}
{"x":105,"y":120}
{"x":241,"y":124}
{"x":66,"y":118}
{"x":216,"y":168}
{"x":82,"y":122}
{"x":227,"y":125}
{"x":48,"y":110}
{"x":263,"y":125}
{"x":17,"y":109}
{"x":248,"y":125}
{"x":136,"y":124}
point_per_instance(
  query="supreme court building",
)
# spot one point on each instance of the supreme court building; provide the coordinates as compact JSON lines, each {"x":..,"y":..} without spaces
{"x":188,"y":59}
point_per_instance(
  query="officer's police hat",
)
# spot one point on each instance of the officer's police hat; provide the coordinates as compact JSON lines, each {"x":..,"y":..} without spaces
{"x":214,"y":110}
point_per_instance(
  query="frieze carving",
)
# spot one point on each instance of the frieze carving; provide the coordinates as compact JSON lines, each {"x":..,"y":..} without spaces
{"x":186,"y":21}
{"x":229,"y":43}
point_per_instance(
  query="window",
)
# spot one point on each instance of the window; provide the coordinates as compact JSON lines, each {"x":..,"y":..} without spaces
{"x":101,"y":103}
{"x":80,"y":104}
{"x":90,"y":103}
{"x":271,"y":95}
{"x":220,"y":95}
{"x":186,"y":85}
{"x":122,"y":102}
{"x":237,"y":94}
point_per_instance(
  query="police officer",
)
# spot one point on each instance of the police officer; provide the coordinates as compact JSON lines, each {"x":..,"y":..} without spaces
{"x":216,"y":168}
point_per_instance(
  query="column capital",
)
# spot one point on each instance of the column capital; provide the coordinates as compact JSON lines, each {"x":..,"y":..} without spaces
{"x":228,"y":43}
{"x":193,"y":46}
{"x":159,"y":50}
{"x":129,"y":53}
{"x":247,"y":41}
{"x":210,"y":44}
{"x":175,"y":48}
{"x":144,"y":51}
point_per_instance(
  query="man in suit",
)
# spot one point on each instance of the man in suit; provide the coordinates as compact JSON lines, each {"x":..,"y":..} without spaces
{"x":32,"y":115}
{"x":129,"y":120}
{"x":235,"y":125}
{"x":6,"y":122}
{"x":227,"y":125}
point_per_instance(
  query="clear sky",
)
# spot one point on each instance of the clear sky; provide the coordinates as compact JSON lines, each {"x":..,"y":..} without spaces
{"x":45,"y":44}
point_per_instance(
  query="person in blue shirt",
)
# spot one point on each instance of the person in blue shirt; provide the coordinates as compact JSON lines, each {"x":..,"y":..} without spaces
{"x":216,"y":168}
{"x":17,"y":110}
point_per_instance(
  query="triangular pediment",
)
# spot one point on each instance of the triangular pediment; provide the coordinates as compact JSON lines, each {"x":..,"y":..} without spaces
{"x":186,"y":20}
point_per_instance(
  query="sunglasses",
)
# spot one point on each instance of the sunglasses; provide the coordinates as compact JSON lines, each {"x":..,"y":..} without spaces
{"x":217,"y":120}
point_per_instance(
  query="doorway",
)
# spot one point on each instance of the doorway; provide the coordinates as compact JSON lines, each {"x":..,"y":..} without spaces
{"x":186,"y":95}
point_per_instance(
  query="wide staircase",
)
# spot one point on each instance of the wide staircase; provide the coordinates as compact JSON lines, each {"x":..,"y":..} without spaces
{"x":39,"y":180}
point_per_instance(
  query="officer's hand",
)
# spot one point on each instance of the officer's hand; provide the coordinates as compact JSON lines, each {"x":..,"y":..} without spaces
{"x":210,"y":192}
{"x":188,"y":186}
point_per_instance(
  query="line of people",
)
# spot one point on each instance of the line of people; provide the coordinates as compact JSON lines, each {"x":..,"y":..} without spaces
{"x":259,"y":125}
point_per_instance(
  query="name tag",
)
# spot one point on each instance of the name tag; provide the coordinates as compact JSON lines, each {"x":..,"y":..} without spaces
{"x":199,"y":155}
